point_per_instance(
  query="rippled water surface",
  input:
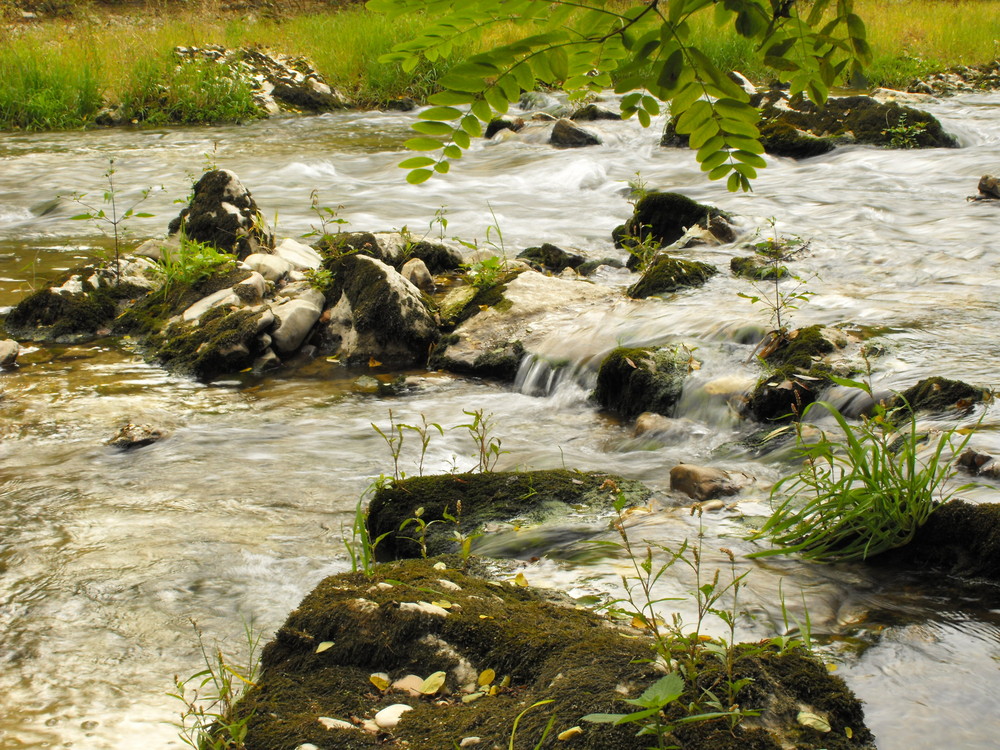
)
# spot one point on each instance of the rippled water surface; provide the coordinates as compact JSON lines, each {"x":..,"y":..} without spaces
{"x":105,"y":557}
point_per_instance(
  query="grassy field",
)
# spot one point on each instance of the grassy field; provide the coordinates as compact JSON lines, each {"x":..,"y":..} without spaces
{"x":58,"y":70}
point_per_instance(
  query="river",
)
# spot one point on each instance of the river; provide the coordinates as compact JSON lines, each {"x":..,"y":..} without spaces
{"x":106,"y":557}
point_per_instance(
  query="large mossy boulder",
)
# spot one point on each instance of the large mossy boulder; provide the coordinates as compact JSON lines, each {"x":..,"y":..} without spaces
{"x":222,"y":213}
{"x":392,"y":248}
{"x":412,"y":619}
{"x":83,"y":304}
{"x":373,"y":312}
{"x":476,"y":500}
{"x":939,"y":394}
{"x":663,"y":218}
{"x":959,"y":539}
{"x":666,"y":275}
{"x":631,"y":381}
{"x":850,"y":119}
{"x":498,"y":325}
{"x":798,"y":373}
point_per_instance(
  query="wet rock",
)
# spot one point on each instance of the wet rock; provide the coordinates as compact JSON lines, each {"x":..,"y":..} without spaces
{"x":567,"y":135}
{"x":668,"y":275}
{"x":589,"y":267}
{"x":960,"y":79}
{"x":480,"y":500}
{"x":373,"y":312}
{"x":504,"y":322}
{"x":402,"y":104}
{"x":551,"y":257}
{"x":799,"y":373}
{"x":591,"y":112}
{"x":133,"y":436}
{"x":979,"y":464}
{"x":82,"y":304}
{"x":531,"y":639}
{"x":295,"y":319}
{"x":757,"y":268}
{"x":959,"y":539}
{"x":664,"y":218}
{"x":631,"y":381}
{"x":855,"y":119}
{"x":392,"y":248}
{"x":703,"y":482}
{"x":989,"y":188}
{"x":224,"y":341}
{"x":939,"y":394}
{"x":9,"y":349}
{"x":497,"y":124}
{"x":780,"y":138}
{"x":271,"y":267}
{"x":415,"y":271}
{"x":222,"y":213}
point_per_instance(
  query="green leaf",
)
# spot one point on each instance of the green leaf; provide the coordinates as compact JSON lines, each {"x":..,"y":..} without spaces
{"x":665,"y":690}
{"x":481,"y":109}
{"x":713,"y":161}
{"x":432,"y":128}
{"x":721,"y":171}
{"x":644,"y":118}
{"x":450,"y":98}
{"x":461,"y":139}
{"x":419,"y":175}
{"x":78,"y":217}
{"x":748,"y":158}
{"x":472,"y":126}
{"x":441,"y":113}
{"x":422,"y":144}
{"x":442,"y":167}
{"x":453,"y":152}
{"x":416,"y":162}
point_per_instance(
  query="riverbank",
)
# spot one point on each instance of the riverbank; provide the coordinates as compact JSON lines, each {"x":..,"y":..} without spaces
{"x":62,"y":61}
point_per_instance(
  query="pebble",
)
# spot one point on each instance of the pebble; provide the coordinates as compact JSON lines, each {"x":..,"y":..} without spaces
{"x":389,"y":716}
{"x":329,"y":723}
{"x":409,"y":684}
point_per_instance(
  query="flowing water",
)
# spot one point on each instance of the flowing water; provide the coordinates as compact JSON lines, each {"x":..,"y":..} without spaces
{"x":105,"y":557}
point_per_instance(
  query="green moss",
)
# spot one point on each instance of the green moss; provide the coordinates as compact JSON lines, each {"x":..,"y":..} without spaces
{"x":45,"y":316}
{"x":488,"y":296}
{"x":437,"y":258}
{"x":224,"y":342}
{"x":631,"y":381}
{"x":782,"y":139}
{"x":548,"y":651}
{"x":670,"y":274}
{"x":755,"y":268}
{"x":477,"y":499}
{"x":551,"y":257}
{"x":797,"y":376}
{"x":940,"y":394}
{"x":663,"y":218}
{"x":377,"y":310}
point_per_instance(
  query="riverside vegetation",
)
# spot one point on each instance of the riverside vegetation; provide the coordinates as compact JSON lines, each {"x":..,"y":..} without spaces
{"x":60,"y":68}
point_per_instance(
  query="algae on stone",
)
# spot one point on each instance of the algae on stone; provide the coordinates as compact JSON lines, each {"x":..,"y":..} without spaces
{"x":668,"y":274}
{"x":478,"y":499}
{"x":631,"y":381}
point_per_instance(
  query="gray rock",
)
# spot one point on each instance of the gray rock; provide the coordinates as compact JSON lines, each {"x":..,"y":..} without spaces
{"x":300,"y":257}
{"x":296,"y":318}
{"x":222,"y":213}
{"x":9,"y":349}
{"x":591,"y":112}
{"x":415,"y":271}
{"x":271,"y":267}
{"x":567,"y":135}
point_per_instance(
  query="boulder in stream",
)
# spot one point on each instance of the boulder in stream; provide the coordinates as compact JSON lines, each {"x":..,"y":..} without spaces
{"x":667,"y":274}
{"x":495,"y":650}
{"x":551,"y":258}
{"x":631,"y":381}
{"x":9,"y":349}
{"x":373,"y":312}
{"x":939,"y":394}
{"x":566,"y":134}
{"x":478,"y":500}
{"x":223,"y":214}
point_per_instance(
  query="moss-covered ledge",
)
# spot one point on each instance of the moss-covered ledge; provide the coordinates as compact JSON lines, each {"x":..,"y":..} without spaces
{"x":475,"y":500}
{"x":411,"y":619}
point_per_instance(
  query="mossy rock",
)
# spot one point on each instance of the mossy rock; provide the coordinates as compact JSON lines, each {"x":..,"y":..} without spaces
{"x":670,"y":274}
{"x":585,"y":269}
{"x":664,"y":217}
{"x":48,"y":315}
{"x":479,"y":499}
{"x":552,"y":258}
{"x":939,"y":394}
{"x":783,"y":139}
{"x":380,"y":313}
{"x":756,"y":268}
{"x":798,"y":376}
{"x":959,"y":538}
{"x":860,"y":119}
{"x":631,"y":381}
{"x":547,"y":650}
{"x":225,"y":341}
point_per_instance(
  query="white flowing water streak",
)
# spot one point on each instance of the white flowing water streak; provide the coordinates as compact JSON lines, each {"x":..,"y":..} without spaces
{"x":241,"y":510}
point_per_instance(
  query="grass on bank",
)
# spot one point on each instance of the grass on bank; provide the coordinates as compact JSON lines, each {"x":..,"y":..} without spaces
{"x":57,"y":72}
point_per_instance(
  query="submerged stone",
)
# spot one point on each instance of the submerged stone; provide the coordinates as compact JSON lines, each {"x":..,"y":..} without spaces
{"x":475,"y":500}
{"x":940,"y":394}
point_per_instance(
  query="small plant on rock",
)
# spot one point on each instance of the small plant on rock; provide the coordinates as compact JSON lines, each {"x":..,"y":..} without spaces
{"x":111,"y":215}
{"x":904,"y":134}
{"x":327,"y":216}
{"x":863,"y":488}
{"x":192,"y":262}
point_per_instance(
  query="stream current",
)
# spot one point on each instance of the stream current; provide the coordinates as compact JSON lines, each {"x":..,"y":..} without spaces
{"x":106,"y":557}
